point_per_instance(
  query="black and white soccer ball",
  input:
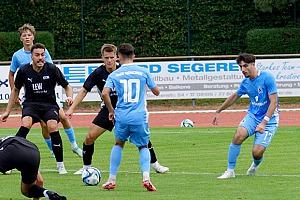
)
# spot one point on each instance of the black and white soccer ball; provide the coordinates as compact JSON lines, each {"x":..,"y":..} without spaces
{"x":91,"y":176}
{"x":187,"y":123}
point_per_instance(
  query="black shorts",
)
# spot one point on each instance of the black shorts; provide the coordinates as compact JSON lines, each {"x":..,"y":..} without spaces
{"x":24,"y":158}
{"x":102,"y":120}
{"x":40,"y":112}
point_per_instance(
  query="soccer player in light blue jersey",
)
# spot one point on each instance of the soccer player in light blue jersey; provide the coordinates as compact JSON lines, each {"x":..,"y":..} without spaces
{"x":22,"y":57}
{"x":262,"y":118}
{"x":131,"y":115}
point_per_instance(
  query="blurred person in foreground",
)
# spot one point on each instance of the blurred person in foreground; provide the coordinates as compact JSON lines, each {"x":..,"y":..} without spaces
{"x":17,"y":152}
{"x":131,"y":115}
{"x":262,"y":118}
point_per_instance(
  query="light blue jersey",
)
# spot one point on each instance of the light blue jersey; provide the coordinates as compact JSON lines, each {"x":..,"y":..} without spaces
{"x":131,"y":81}
{"x":22,"y":57}
{"x":258,"y":91}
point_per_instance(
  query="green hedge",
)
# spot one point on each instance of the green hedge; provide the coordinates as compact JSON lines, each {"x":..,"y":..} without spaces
{"x":10,"y":43}
{"x":273,"y":41}
{"x":154,"y":27}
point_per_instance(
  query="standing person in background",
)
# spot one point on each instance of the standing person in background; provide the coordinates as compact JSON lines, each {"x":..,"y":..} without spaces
{"x":101,"y":123}
{"x":39,"y":80}
{"x":19,"y":153}
{"x":131,"y":115}
{"x":262,"y":117}
{"x":21,"y":57}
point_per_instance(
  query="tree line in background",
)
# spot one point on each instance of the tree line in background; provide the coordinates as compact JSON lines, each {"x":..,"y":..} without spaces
{"x":153,"y":27}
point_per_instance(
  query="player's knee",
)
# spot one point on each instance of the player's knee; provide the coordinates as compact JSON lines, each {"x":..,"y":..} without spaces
{"x":257,"y":153}
{"x":52,"y":126}
{"x":89,"y":139}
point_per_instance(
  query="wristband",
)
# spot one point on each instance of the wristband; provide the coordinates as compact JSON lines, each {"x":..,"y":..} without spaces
{"x":69,"y":98}
{"x":267,"y":118}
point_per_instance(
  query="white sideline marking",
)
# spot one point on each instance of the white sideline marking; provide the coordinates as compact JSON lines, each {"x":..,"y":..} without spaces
{"x":179,"y":111}
{"x":185,"y":173}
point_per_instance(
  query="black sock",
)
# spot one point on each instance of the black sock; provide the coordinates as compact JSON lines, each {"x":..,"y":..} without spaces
{"x":23,"y":131}
{"x":88,"y":151}
{"x":152,"y":153}
{"x":57,"y":146}
{"x":36,"y":191}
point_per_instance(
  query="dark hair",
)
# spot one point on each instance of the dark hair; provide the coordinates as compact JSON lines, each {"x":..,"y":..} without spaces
{"x":126,"y":50}
{"x":37,"y":46}
{"x":246,"y":57}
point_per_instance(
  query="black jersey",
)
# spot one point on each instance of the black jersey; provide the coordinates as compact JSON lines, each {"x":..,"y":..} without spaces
{"x":8,"y":140}
{"x":98,"y":77}
{"x":40,"y":86}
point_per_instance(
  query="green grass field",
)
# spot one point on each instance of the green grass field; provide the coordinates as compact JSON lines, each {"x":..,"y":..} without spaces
{"x":195,"y":156}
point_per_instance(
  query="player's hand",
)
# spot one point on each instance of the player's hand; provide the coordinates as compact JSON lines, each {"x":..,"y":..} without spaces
{"x":18,"y":101}
{"x":215,"y":119}
{"x":260,"y":128}
{"x":69,"y":114}
{"x":69,"y":100}
{"x":4,"y":117}
{"x":111,"y":116}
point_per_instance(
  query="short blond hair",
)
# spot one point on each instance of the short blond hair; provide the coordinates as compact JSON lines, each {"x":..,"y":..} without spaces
{"x":108,"y":48}
{"x":26,"y":27}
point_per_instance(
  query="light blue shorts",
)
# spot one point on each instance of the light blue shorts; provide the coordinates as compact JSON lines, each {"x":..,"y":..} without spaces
{"x":137,"y":134}
{"x":264,"y":139}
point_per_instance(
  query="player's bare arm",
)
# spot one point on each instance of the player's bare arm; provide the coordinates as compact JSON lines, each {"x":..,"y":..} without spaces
{"x":69,"y":93}
{"x":106,"y":99}
{"x":12,"y":99}
{"x":78,"y":99}
{"x":228,"y":102}
{"x":273,"y":104}
{"x":11,"y":76}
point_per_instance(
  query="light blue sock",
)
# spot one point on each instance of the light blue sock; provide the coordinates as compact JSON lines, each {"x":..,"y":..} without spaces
{"x":115,"y":159}
{"x":233,"y":153}
{"x":71,"y":135}
{"x":257,"y":162}
{"x":49,"y":143}
{"x":145,"y":160}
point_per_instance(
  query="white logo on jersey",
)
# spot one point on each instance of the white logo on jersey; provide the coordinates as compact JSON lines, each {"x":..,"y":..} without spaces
{"x":1,"y":149}
{"x":37,"y":86}
{"x":29,"y":79}
{"x":46,"y":77}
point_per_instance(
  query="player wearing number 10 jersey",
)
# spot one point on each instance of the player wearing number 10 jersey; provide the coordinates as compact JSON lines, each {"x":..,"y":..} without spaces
{"x":131,"y":115}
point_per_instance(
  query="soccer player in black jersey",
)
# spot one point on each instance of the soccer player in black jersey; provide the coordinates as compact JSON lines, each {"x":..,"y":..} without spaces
{"x":17,"y":152}
{"x":101,"y":123}
{"x":39,"y":79}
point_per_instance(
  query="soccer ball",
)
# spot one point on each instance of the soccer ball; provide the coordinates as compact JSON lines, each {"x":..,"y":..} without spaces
{"x":91,"y":176}
{"x":187,"y":123}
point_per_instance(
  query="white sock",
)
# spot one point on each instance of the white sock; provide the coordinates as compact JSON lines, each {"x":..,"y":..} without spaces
{"x":60,"y":164}
{"x":146,"y":176}
{"x":154,"y":165}
{"x":112,"y":178}
{"x":74,"y":145}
